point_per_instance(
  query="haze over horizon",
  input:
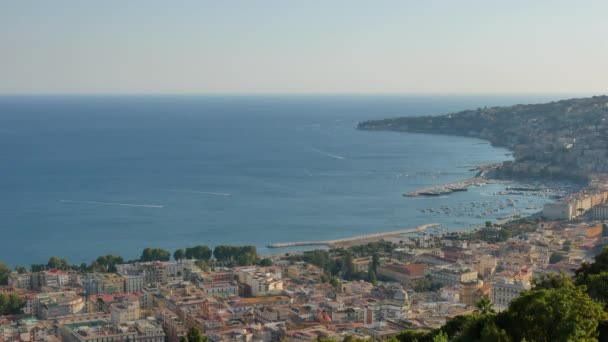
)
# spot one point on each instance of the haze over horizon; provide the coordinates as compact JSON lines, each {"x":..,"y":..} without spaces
{"x":270,"y":47}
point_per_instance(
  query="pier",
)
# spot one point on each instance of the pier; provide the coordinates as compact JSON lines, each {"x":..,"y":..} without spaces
{"x":355,"y":239}
{"x":461,"y":185}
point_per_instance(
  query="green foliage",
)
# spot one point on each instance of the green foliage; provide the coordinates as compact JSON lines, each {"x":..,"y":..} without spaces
{"x":415,"y":336}
{"x":242,"y":255}
{"x":106,"y":263}
{"x":194,"y":335}
{"x":378,"y":247}
{"x":19,"y":269}
{"x":556,"y":257}
{"x":604,"y":230}
{"x":597,"y":286}
{"x":202,"y":264}
{"x":426,"y":285}
{"x":155,"y":254}
{"x":484,"y":306}
{"x":552,"y":281}
{"x":265,"y":262}
{"x":4,"y":272}
{"x":200,"y":252}
{"x":562,"y":314}
{"x":38,"y":267}
{"x":10,"y":304}
{"x":57,"y":263}
{"x":600,"y":264}
{"x":347,"y":266}
{"x":179,"y":254}
{"x":440,"y":337}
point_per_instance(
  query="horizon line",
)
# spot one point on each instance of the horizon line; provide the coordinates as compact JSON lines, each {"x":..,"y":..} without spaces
{"x":203,"y":94}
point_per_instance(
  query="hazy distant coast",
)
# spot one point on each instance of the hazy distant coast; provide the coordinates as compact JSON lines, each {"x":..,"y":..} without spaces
{"x":561,"y":139}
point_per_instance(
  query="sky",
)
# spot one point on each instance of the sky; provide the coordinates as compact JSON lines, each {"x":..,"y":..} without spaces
{"x":329,"y":46}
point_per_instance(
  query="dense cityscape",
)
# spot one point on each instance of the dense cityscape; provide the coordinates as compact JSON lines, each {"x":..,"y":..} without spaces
{"x":312,"y":171}
{"x":427,"y":285}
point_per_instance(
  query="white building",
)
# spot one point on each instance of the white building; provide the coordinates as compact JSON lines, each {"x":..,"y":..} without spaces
{"x":505,"y":290}
{"x":261,"y":283}
{"x":124,"y":312}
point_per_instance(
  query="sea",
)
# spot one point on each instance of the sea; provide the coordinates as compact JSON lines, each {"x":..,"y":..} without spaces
{"x":83,"y":176}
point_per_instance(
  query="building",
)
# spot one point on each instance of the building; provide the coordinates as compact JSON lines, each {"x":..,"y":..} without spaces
{"x":220,"y":288}
{"x":106,"y":283}
{"x":451,"y":276}
{"x":600,"y":212}
{"x":559,"y":211}
{"x":20,"y":281}
{"x":507,"y":289}
{"x":260,"y":283}
{"x":406,"y":274}
{"x":134,"y":282}
{"x":362,"y":264}
{"x":100,"y":331}
{"x":57,"y":304}
{"x":124,"y":312}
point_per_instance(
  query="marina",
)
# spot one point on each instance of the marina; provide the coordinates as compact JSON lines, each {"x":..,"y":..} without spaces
{"x":461,"y":185}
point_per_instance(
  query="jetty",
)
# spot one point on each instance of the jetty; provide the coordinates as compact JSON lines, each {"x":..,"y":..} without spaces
{"x":461,"y":185}
{"x":354,"y":240}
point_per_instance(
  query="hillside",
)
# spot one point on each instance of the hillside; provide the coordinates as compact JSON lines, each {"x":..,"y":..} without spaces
{"x":562,"y":138}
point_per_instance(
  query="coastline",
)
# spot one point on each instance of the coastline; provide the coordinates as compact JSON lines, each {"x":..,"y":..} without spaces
{"x":354,"y":240}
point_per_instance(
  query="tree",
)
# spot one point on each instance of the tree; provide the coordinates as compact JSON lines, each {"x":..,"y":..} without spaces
{"x":604,"y":230}
{"x":440,"y":337}
{"x":106,"y":263}
{"x":600,"y":264}
{"x":155,"y":254}
{"x":265,"y":262}
{"x":242,"y":255}
{"x":4,"y":272}
{"x":194,"y":335}
{"x":20,"y":269}
{"x":414,"y":336}
{"x":373,"y":279}
{"x":199,"y":252}
{"x":552,"y":281}
{"x":53,"y":263}
{"x":484,"y":306}
{"x":556,"y":257}
{"x":10,"y":304}
{"x":202,"y":264}
{"x":562,"y":314}
{"x":179,"y":254}
{"x":597,"y":286}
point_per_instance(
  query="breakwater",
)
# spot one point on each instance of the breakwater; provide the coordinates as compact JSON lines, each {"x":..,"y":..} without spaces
{"x":354,"y":239}
{"x":461,"y":185}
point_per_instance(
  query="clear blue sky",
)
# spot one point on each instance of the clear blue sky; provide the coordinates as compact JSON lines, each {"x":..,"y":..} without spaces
{"x":256,"y":46}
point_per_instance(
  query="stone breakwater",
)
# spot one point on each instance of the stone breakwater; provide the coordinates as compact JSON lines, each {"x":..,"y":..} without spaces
{"x":355,"y":239}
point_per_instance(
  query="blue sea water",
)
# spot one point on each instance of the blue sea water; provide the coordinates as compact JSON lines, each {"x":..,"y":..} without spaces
{"x":81,"y":176}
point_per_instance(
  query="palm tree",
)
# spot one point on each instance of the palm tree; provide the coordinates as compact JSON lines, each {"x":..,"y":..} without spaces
{"x":484,"y":306}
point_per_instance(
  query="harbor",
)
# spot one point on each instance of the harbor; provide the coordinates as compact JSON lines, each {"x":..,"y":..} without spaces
{"x":461,"y":185}
{"x":355,"y":240}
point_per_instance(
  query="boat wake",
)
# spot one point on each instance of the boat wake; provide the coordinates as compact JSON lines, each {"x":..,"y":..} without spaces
{"x":113,"y":203}
{"x":328,"y":154}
